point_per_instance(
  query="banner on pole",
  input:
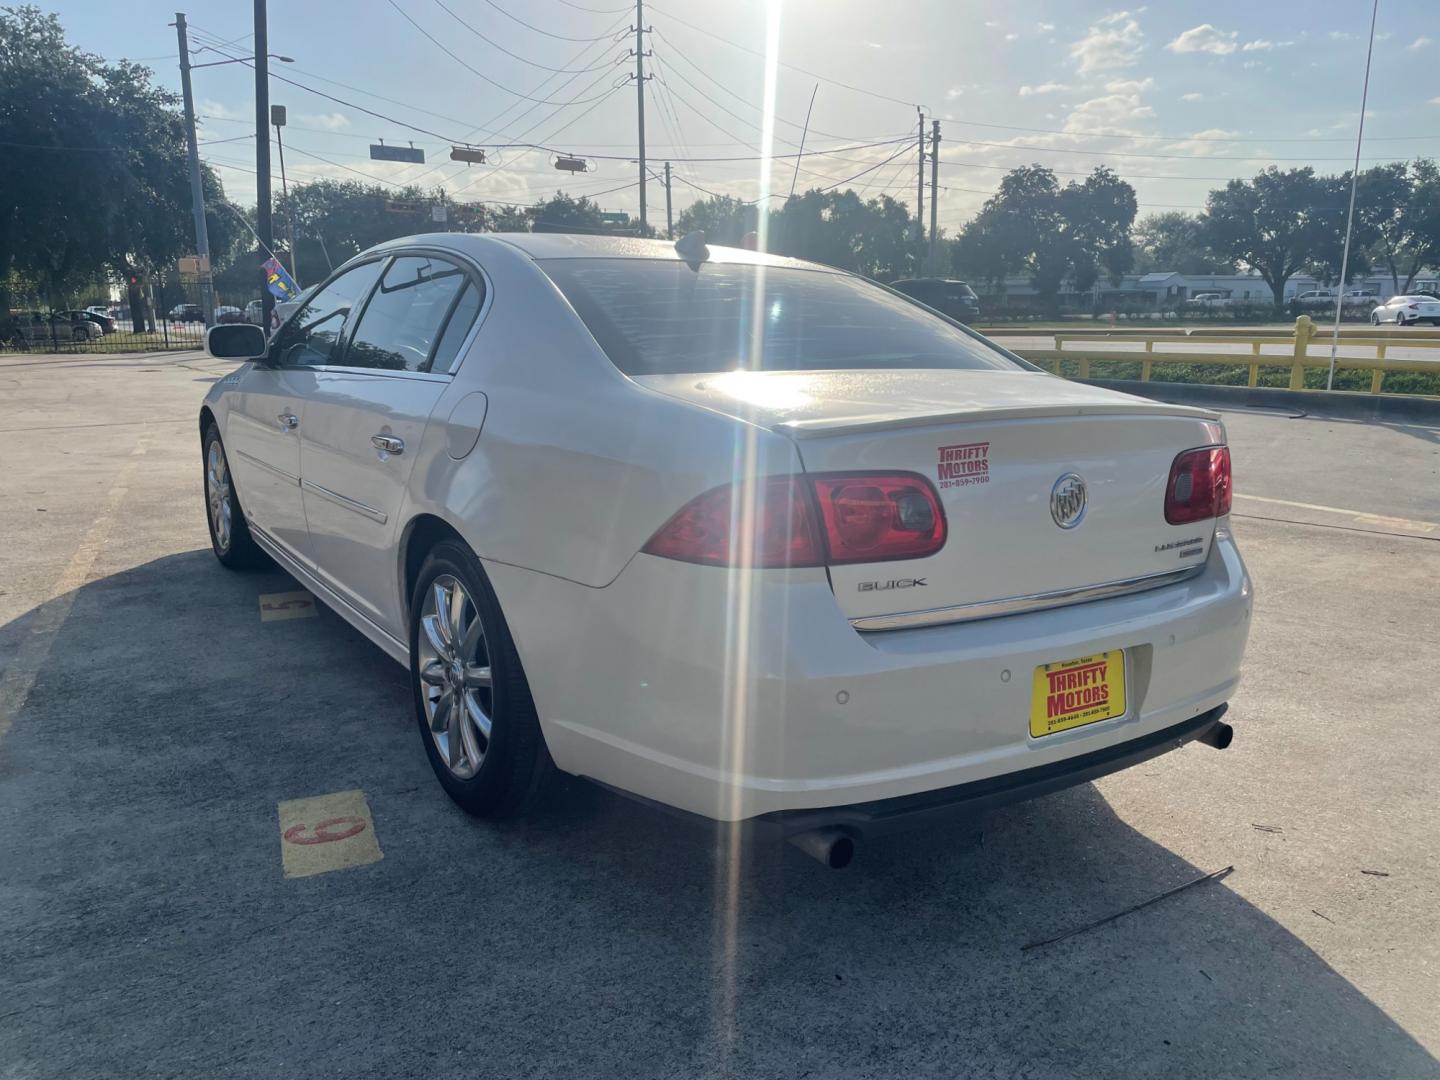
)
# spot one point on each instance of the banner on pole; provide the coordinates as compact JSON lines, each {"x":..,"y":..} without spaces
{"x":282,"y":285}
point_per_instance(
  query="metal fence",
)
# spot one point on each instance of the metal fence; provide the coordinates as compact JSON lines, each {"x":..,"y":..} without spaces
{"x":109,"y":316}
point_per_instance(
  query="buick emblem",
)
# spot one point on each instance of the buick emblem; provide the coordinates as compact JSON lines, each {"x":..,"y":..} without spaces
{"x":1067,"y":501}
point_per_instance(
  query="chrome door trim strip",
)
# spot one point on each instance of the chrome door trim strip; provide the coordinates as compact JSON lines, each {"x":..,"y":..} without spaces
{"x":1014,"y":605}
{"x":377,"y":516}
{"x":287,"y":477}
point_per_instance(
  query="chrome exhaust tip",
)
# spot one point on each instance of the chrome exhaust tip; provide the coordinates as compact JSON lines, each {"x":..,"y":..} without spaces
{"x":832,"y":847}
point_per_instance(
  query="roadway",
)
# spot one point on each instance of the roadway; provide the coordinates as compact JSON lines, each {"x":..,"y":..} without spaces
{"x":157,"y":719}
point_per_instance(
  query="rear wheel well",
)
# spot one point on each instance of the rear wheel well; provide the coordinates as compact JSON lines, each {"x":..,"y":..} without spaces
{"x":423,"y":534}
{"x":206,"y":419}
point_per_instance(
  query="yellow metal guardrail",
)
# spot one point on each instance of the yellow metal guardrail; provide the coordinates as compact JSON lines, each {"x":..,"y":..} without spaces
{"x":1300,"y":341}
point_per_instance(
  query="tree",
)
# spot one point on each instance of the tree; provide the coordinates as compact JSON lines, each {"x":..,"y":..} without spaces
{"x":1399,"y":206}
{"x":563,"y":214}
{"x":1032,"y":225}
{"x":841,"y":229}
{"x":1276,"y":224}
{"x":94,"y":173}
{"x":723,"y":219}
{"x":1174,"y":241}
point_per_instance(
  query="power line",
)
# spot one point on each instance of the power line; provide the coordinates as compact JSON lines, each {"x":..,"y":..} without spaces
{"x":461,"y":61}
{"x":495,"y":44}
{"x":547,"y":33}
{"x":597,"y":11}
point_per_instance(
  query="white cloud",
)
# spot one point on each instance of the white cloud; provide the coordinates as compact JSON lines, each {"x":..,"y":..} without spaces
{"x":333,"y":121}
{"x":991,"y":24}
{"x":1204,"y":143}
{"x":1204,"y":38}
{"x":1045,"y":27}
{"x":1257,"y":46}
{"x":1012,"y":37}
{"x":1435,"y":101}
{"x":1043,"y":88}
{"x":220,"y":111}
{"x":1419,"y":43}
{"x":1192,"y":96}
{"x":954,"y":92}
{"x":1129,"y":86}
{"x":1340,"y":35}
{"x":1111,"y":43}
{"x":1108,"y":114}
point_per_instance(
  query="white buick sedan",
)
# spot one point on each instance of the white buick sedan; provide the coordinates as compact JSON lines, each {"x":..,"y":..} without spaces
{"x":744,"y":535}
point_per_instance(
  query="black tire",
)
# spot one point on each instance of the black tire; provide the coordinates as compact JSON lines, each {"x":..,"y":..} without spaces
{"x":1374,"y":320}
{"x":516,"y":773}
{"x":240,"y":552}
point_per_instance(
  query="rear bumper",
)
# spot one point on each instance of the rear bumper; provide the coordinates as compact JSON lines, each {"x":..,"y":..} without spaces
{"x":929,"y":808}
{"x":746,"y":696}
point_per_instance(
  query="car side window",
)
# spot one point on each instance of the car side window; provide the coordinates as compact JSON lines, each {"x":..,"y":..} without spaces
{"x":457,"y":327}
{"x":310,"y":338}
{"x":406,"y":315}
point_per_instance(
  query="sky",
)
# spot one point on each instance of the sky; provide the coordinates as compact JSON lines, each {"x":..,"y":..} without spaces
{"x":1176,"y":98}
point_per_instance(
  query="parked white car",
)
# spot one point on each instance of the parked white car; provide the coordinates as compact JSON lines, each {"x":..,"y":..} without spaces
{"x":1407,"y":310}
{"x":1208,"y":300}
{"x":740,"y":534}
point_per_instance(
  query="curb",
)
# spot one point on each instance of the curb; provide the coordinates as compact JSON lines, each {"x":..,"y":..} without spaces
{"x":1337,"y":403}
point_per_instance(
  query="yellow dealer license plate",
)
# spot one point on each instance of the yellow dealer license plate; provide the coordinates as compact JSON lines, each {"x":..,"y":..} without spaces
{"x":1073,"y":693}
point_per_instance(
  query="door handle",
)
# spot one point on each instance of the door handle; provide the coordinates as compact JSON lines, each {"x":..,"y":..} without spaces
{"x":288,"y":421}
{"x":388,"y":443}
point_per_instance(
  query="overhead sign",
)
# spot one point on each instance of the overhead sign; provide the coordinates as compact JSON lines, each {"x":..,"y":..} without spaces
{"x":471,"y":154}
{"x":570,"y":164}
{"x":410,"y":154}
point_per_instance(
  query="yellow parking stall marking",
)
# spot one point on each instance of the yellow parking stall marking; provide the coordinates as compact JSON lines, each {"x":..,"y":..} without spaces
{"x":327,"y":832}
{"x":286,"y":605}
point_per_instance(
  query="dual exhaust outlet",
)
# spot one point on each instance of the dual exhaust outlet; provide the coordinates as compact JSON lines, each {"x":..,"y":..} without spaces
{"x":835,"y":848}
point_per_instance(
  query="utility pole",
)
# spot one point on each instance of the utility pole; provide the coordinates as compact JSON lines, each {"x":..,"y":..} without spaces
{"x":934,"y":193}
{"x":263,"y":228}
{"x":920,"y":189}
{"x":197,"y":189}
{"x":639,"y":94}
{"x":277,"y":117}
{"x":669,"y":221}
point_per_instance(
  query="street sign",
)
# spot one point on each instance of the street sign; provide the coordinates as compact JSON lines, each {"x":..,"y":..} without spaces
{"x":570,"y":164}
{"x":614,"y":218}
{"x":412,"y":155}
{"x":469,"y":154}
{"x":193,"y":265}
{"x":437,"y":213}
{"x":277,"y":115}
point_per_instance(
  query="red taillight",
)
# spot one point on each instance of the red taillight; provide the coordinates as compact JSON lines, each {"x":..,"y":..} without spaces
{"x":872,"y":517}
{"x":1199,"y":485}
{"x":720,"y":529}
{"x":807,"y":520}
{"x":1414,"y":307}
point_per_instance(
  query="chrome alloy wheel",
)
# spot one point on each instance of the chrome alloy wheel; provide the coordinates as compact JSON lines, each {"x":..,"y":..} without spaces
{"x":455,"y":680}
{"x":217,"y":492}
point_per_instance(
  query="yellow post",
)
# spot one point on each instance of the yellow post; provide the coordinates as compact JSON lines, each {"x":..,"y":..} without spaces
{"x":1084,"y":367}
{"x":1304,"y":328}
{"x":1254,"y":375}
{"x":1377,"y":379}
{"x":1380,"y":350}
{"x":1145,"y":364}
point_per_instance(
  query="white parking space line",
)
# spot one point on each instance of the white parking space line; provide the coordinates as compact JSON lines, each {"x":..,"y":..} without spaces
{"x":1355,"y":515}
{"x":34,"y":651}
{"x":286,"y":605}
{"x":325,"y":833}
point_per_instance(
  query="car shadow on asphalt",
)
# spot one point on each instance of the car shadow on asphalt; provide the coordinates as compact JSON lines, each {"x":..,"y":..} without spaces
{"x":145,"y":925}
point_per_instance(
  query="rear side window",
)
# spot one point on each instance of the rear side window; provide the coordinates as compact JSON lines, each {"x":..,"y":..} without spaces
{"x":458,"y":327}
{"x":402,"y":323}
{"x":658,"y":317}
{"x":310,"y":338}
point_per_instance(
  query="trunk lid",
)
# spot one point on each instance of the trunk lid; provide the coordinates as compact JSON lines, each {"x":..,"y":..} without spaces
{"x":997,"y":446}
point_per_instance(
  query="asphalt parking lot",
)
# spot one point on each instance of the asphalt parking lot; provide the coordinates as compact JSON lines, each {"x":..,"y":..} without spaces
{"x":157,"y":720}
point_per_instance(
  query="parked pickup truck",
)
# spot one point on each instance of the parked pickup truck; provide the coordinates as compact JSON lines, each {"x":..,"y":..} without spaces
{"x":1208,"y":300}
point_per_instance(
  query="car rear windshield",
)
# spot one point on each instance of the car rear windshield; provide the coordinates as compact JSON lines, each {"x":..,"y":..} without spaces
{"x":661,"y":317}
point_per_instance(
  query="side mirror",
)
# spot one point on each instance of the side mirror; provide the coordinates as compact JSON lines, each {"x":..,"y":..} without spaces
{"x":236,"y":341}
